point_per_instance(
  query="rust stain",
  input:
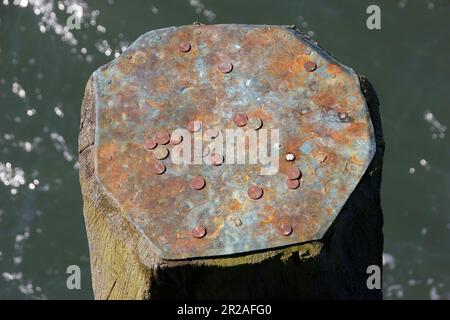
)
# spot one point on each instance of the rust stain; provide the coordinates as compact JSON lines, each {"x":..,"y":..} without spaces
{"x":235,"y":205}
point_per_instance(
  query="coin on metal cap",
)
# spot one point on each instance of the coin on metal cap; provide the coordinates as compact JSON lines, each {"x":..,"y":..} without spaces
{"x":310,"y":66}
{"x":161,"y":153}
{"x":198,"y":232}
{"x":293,"y":184}
{"x":158,"y":168}
{"x":285,"y":229}
{"x":255,"y":123}
{"x":162,"y":137}
{"x":194,"y":126}
{"x":216,"y":159}
{"x":184,"y":47}
{"x":176,"y":138}
{"x":150,"y":144}
{"x":293,"y":173}
{"x":197,"y":183}
{"x":240,"y":119}
{"x":211,"y":133}
{"x":225,"y":67}
{"x":255,"y":192}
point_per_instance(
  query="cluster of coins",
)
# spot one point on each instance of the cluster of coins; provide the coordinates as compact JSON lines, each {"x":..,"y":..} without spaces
{"x":158,"y":145}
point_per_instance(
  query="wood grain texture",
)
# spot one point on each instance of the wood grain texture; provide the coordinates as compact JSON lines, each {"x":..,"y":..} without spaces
{"x":125,"y":267}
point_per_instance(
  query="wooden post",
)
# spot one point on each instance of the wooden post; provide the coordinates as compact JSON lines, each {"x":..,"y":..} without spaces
{"x":125,"y":265}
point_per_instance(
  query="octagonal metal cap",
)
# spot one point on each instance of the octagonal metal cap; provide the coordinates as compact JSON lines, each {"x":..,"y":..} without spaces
{"x":309,"y":106}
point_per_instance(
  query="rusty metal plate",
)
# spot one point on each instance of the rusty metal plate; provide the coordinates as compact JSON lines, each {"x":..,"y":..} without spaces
{"x":260,"y":78}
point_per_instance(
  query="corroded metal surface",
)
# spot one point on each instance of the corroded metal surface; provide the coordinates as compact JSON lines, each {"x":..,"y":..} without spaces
{"x":229,"y":76}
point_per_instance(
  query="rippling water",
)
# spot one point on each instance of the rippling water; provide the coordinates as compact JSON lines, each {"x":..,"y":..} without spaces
{"x":44,"y":67}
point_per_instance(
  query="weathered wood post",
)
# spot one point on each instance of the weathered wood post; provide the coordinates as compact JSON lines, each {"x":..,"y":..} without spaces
{"x":158,"y":228}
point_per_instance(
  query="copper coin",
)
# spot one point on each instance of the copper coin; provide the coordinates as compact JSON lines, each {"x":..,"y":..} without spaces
{"x":211,"y":133}
{"x":240,"y":119}
{"x":194,"y":126}
{"x":184,"y":47}
{"x":225,"y":67}
{"x":293,"y":184}
{"x":161,"y":153}
{"x":150,"y":144}
{"x":199,"y":232}
{"x":197,"y":183}
{"x":310,"y":66}
{"x":176,"y":138}
{"x":162,"y":137}
{"x":285,"y":229}
{"x":255,"y":123}
{"x":293,"y":173}
{"x":255,"y":192}
{"x":159,"y":168}
{"x":216,"y":159}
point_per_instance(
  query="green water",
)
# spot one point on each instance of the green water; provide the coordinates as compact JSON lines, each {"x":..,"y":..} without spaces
{"x":42,"y":76}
